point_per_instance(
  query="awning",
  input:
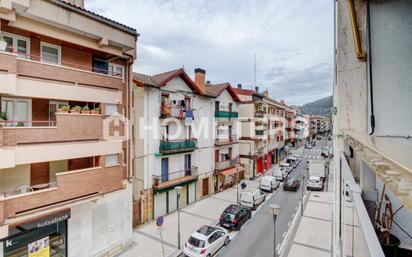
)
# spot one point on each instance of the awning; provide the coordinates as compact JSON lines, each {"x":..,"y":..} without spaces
{"x":229,"y":172}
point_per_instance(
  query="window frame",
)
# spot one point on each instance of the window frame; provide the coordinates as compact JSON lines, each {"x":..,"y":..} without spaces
{"x":15,"y":44}
{"x":105,"y":109}
{"x":59,"y":52}
{"x":15,"y":100}
{"x":114,"y":65}
{"x":111,"y":165}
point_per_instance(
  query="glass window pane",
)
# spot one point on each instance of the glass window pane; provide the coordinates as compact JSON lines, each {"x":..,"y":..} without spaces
{"x":22,"y":113}
{"x":111,"y":109}
{"x":9,"y":41}
{"x":22,"y":48}
{"x":112,"y":159}
{"x":50,"y":54}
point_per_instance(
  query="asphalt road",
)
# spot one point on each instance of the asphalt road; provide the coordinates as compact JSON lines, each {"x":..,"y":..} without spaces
{"x":256,"y":237}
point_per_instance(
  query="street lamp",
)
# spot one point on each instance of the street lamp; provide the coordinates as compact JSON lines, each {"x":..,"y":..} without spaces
{"x":303,"y":187}
{"x":275,"y":211}
{"x":178,"y":191}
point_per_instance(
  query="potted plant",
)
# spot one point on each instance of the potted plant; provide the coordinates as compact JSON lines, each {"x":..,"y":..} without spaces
{"x":95,"y":110}
{"x":20,"y":124}
{"x":85,"y":110}
{"x":3,"y":118}
{"x":64,"y":109}
{"x":76,"y":109}
{"x":3,"y":45}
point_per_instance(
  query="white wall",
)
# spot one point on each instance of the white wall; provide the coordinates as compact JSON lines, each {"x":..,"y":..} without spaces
{"x":56,"y":167}
{"x":96,"y":227}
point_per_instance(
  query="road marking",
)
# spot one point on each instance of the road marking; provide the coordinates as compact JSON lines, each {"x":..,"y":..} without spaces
{"x":284,"y":234}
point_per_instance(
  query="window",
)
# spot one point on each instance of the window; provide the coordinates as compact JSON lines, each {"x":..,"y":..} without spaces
{"x":17,"y":110}
{"x":17,"y":44}
{"x":116,"y":70}
{"x":50,"y":53}
{"x":111,"y":109}
{"x":112,"y":160}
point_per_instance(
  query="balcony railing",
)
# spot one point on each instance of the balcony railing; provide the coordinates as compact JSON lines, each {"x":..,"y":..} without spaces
{"x":67,"y":127}
{"x":69,"y":186}
{"x":175,"y":146}
{"x":226,"y":114}
{"x":224,"y":140}
{"x":168,"y":109}
{"x":225,"y":164}
{"x":174,"y":178}
{"x":35,"y":67}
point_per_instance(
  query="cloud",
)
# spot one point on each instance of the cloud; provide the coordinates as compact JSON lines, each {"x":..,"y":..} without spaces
{"x":292,"y":40}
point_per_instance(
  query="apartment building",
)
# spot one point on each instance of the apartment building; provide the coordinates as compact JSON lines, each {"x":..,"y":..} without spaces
{"x":262,"y":124}
{"x":64,"y":157}
{"x":301,"y":129}
{"x":315,"y":125}
{"x":227,"y":168}
{"x":290,"y":125}
{"x":173,"y":142}
{"x":372,"y":128}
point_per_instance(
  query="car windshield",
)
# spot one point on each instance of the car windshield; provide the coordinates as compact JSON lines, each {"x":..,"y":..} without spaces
{"x":313,"y":180}
{"x":196,"y":242}
{"x":289,"y":182}
{"x":228,"y":216}
{"x":206,"y":230}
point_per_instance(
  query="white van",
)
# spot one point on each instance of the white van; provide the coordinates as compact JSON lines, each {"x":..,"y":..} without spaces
{"x":280,"y":174}
{"x":268,"y":183}
{"x":252,"y":198}
{"x":314,"y":183}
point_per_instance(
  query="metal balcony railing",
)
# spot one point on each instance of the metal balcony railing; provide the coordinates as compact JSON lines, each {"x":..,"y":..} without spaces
{"x":225,"y":164}
{"x":183,"y":145}
{"x":175,"y":177}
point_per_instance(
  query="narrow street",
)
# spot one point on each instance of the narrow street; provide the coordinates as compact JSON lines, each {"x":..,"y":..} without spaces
{"x":260,"y":228}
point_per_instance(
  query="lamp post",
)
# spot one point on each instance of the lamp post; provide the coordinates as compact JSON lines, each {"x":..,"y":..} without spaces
{"x":178,"y":191}
{"x":275,"y":211}
{"x":237,"y":187}
{"x":303,"y":187}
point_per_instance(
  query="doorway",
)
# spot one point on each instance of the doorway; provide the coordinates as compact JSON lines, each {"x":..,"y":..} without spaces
{"x":205,"y":187}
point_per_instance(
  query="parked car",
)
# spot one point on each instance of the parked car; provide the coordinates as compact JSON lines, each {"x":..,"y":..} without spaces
{"x":286,"y":167}
{"x":291,"y":184}
{"x":280,"y":174}
{"x":252,"y":198}
{"x":235,"y":216}
{"x":268,"y":184}
{"x":293,"y":161}
{"x":314,"y":183}
{"x":206,"y":241}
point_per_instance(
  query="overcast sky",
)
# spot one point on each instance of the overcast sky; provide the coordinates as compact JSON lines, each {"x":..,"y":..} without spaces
{"x":292,"y":39}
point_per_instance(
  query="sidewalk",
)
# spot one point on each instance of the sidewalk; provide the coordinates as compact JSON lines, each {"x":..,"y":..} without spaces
{"x":204,"y":212}
{"x":314,"y":234}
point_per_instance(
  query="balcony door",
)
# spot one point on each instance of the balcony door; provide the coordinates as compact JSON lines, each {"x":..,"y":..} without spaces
{"x":39,"y":173}
{"x":53,"y":107}
{"x":188,"y":164}
{"x":18,"y":111}
{"x":165,"y":169}
{"x":217,"y":104}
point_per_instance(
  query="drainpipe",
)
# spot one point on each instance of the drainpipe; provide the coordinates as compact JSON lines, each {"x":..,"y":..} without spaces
{"x":352,"y":13}
{"x":369,"y":62}
{"x":129,"y":116}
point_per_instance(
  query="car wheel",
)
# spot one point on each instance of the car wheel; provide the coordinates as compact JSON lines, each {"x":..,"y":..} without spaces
{"x":227,"y":240}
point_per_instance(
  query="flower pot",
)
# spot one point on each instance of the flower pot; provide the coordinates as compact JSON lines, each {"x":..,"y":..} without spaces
{"x":94,"y":112}
{"x":61,"y":111}
{"x":3,"y":45}
{"x":74,"y":112}
{"x":85,"y":112}
{"x":391,"y":249}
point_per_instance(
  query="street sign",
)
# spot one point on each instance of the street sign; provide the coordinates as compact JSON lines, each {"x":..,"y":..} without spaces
{"x":159,"y":221}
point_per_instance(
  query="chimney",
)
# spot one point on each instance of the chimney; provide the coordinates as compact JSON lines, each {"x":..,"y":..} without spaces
{"x":78,"y":3}
{"x":266,"y":92}
{"x":257,"y":89}
{"x":200,"y":75}
{"x":239,"y":86}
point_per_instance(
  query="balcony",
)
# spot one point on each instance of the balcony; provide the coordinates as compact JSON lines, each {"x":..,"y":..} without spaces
{"x":226,"y":141}
{"x":225,"y":164}
{"x":177,"y":146}
{"x":66,"y":72}
{"x":69,"y":186}
{"x":174,"y":178}
{"x":169,"y":110}
{"x":226,"y":114}
{"x":67,"y":127}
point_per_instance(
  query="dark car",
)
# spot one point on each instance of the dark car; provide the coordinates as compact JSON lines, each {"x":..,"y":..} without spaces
{"x":291,"y":184}
{"x":235,"y":216}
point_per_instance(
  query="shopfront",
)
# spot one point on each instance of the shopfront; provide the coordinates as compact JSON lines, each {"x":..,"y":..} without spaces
{"x":43,"y":237}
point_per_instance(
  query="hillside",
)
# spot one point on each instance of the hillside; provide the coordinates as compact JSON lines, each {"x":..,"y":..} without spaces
{"x":319,"y":107}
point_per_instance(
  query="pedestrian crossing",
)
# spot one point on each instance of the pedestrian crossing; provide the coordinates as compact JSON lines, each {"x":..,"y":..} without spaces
{"x":312,"y":157}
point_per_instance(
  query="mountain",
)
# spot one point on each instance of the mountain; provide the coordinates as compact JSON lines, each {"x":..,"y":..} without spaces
{"x":320,"y":107}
